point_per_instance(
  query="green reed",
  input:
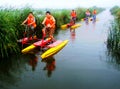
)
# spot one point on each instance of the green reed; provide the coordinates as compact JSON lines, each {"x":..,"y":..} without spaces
{"x":113,"y":41}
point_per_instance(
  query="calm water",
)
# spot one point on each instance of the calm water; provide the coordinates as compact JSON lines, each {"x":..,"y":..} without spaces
{"x":83,"y":64}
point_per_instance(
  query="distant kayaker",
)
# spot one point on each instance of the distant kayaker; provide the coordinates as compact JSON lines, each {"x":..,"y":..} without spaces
{"x":31,"y":24}
{"x":87,"y":13}
{"x":73,"y":15}
{"x":94,"y":15}
{"x":49,"y":23}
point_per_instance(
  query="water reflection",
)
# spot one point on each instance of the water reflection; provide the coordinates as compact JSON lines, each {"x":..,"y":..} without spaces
{"x":50,"y":65}
{"x":10,"y":71}
{"x":33,"y":61}
{"x":87,"y":21}
{"x":113,"y":59}
{"x":72,"y":34}
{"x":94,"y":26}
{"x":90,"y":25}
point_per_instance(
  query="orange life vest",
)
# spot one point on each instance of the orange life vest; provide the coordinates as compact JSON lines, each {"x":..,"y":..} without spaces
{"x":50,"y":21}
{"x":31,"y":19}
{"x":94,"y":12}
{"x":73,"y":14}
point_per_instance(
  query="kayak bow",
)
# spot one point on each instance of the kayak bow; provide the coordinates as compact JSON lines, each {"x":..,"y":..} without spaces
{"x":54,"y":50}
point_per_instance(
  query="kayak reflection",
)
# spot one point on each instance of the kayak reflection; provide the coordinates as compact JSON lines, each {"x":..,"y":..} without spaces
{"x":50,"y":65}
{"x":72,"y":34}
{"x":33,"y":61}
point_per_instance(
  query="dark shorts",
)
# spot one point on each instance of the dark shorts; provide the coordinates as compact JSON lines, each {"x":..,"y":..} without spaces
{"x":74,"y":18}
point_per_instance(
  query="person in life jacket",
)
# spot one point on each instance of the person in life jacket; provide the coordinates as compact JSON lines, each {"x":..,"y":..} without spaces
{"x":31,"y":24}
{"x":87,"y":13}
{"x":49,"y":23}
{"x":94,"y":15}
{"x":73,"y":15}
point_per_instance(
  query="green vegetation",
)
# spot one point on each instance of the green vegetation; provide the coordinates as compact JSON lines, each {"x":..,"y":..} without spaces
{"x":11,"y":29}
{"x":113,"y":41}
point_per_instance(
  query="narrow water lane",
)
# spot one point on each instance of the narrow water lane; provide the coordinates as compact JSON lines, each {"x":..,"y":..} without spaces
{"x":82,"y":64}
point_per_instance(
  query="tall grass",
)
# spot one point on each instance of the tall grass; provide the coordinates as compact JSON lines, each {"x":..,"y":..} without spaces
{"x":7,"y":33}
{"x":10,"y":30}
{"x":114,"y":37}
{"x":113,"y":41}
{"x":62,"y":17}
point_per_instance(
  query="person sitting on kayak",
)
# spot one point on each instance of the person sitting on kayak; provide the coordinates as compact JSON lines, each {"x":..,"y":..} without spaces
{"x":73,"y":15}
{"x":49,"y":23}
{"x":31,"y":24}
{"x":94,"y":15}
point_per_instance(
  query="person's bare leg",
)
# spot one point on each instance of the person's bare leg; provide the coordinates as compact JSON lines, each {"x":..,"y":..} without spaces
{"x":51,"y":34}
{"x":44,"y":33}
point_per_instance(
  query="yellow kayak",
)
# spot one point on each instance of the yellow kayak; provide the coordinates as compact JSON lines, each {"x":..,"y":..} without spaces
{"x":64,"y":26}
{"x":82,"y":20}
{"x":29,"y":48}
{"x":75,"y":26}
{"x":90,"y":19}
{"x":54,"y":50}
